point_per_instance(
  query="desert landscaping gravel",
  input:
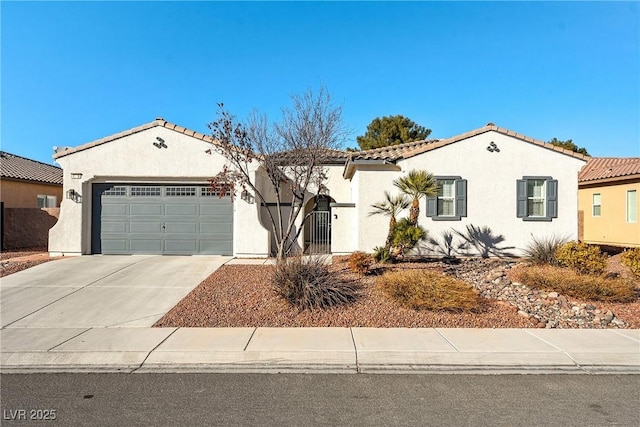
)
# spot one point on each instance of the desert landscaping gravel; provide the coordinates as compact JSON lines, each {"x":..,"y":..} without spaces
{"x":241,"y":296}
{"x":18,"y":260}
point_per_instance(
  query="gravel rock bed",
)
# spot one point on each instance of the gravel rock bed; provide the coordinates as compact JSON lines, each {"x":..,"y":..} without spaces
{"x":14,"y":261}
{"x":241,"y":296}
{"x":542,"y":309}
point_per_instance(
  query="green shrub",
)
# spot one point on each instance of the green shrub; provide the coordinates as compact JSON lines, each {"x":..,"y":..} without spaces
{"x":581,"y":257}
{"x":381,"y":255}
{"x":542,"y":250}
{"x":571,"y":283}
{"x":359,"y":262}
{"x":428,"y":290}
{"x":631,"y":258}
{"x":406,"y":236}
{"x":307,"y":283}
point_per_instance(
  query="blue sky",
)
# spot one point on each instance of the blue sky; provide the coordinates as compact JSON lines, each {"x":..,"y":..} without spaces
{"x":73,"y":72}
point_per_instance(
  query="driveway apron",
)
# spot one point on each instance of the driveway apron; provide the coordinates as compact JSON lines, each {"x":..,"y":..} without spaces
{"x":101,"y":291}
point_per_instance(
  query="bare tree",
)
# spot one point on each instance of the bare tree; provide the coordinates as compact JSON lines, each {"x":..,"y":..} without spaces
{"x":291,"y":153}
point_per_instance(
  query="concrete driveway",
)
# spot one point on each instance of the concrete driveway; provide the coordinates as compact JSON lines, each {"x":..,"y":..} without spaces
{"x":101,"y":291}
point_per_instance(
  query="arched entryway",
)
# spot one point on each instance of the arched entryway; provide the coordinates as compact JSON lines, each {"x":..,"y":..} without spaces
{"x":317,"y":229}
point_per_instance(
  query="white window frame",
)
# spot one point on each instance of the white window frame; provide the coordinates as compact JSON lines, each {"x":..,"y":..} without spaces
{"x":595,"y":205}
{"x":451,"y":198}
{"x":632,"y":219}
{"x":531,"y":198}
{"x":46,"y":201}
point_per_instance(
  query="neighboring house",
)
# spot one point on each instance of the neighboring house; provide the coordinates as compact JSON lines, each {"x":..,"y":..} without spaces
{"x":30,"y":193}
{"x":146,"y":190}
{"x":608,"y":201}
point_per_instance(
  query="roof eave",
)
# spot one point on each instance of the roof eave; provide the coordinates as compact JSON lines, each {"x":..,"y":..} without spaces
{"x":610,"y":180}
{"x":157,"y":122}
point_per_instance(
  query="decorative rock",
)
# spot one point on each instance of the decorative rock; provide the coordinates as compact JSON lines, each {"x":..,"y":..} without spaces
{"x":617,"y":322}
{"x":543,"y":309}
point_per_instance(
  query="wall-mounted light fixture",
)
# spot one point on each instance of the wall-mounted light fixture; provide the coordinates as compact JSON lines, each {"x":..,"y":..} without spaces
{"x":247,"y":197}
{"x":160,"y":143}
{"x":74,"y":195}
{"x":76,"y":175}
{"x":493,"y":147}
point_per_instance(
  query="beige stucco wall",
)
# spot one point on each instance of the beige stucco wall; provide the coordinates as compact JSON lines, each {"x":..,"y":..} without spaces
{"x":22,"y":194}
{"x":491,"y":188}
{"x":611,"y":227}
{"x":133,"y":159}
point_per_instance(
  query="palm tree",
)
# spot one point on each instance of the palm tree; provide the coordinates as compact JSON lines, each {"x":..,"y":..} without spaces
{"x":417,"y":184}
{"x":391,"y":206}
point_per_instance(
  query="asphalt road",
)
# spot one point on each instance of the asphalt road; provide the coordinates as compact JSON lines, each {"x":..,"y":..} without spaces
{"x":332,"y":400}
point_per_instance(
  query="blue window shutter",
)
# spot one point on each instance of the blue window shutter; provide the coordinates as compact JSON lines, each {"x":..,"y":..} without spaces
{"x":521,"y":191}
{"x":461,"y":197}
{"x":432,"y":206}
{"x":552,"y":198}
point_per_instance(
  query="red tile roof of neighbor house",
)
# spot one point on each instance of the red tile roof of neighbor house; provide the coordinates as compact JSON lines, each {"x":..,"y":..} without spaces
{"x":609,"y":169}
{"x":410,"y":149}
{"x":17,"y":167}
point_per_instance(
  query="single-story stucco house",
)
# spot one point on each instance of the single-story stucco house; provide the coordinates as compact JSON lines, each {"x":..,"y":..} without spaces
{"x":145,"y":190}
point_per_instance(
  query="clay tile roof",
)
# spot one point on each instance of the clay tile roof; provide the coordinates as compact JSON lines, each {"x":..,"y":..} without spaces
{"x":410,"y":149}
{"x":331,"y":156}
{"x":159,"y":121}
{"x":609,"y":168}
{"x":392,"y":152}
{"x":16,"y":167}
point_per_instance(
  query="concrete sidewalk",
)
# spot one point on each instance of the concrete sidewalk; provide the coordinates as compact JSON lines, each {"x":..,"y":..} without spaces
{"x":321,"y":350}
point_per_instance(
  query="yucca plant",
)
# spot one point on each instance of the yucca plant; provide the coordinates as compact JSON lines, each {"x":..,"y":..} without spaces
{"x":542,"y":250}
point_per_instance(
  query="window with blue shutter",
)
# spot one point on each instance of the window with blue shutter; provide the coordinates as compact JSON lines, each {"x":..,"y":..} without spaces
{"x":537,"y":198}
{"x":451,"y":202}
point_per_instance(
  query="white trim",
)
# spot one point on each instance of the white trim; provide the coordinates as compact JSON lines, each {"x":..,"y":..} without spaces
{"x":635,"y":208}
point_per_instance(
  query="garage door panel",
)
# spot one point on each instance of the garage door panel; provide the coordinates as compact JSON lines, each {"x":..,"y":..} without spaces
{"x":181,"y":227}
{"x":113,"y":209}
{"x":114,"y":227}
{"x":145,"y":227}
{"x":146,"y":246}
{"x":181,"y":246}
{"x":215,"y":247}
{"x":223,"y":208}
{"x":186,"y":209}
{"x":115,"y":246}
{"x":215,"y":228}
{"x":154,"y":219}
{"x":146,"y":209}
